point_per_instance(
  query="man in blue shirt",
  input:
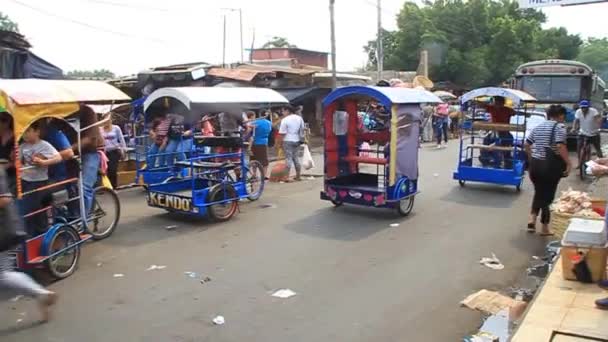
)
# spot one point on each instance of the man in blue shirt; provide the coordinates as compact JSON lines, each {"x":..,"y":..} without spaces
{"x":60,"y":142}
{"x":262,"y":128}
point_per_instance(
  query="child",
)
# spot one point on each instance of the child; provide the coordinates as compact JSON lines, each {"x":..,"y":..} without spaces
{"x":36,"y":156}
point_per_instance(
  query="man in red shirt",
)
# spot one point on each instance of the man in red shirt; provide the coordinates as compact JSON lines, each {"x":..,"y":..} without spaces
{"x":501,"y":114}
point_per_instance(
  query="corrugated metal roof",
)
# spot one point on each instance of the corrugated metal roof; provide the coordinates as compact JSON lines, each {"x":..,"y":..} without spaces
{"x":234,"y":74}
{"x":274,"y":68}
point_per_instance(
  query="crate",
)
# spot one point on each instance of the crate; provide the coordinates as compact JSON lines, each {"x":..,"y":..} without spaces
{"x":561,"y":221}
{"x":596,"y":260}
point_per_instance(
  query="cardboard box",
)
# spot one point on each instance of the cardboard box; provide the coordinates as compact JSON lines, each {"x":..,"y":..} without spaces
{"x":596,"y":260}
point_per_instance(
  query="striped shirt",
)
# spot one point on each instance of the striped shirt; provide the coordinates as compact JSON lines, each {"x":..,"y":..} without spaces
{"x":540,"y":138}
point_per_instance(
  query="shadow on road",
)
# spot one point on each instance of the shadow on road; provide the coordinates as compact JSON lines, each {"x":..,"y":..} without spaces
{"x":8,"y":331}
{"x":482,"y":195}
{"x":346,"y":223}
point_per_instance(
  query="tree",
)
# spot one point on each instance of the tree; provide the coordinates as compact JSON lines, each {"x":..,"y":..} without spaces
{"x":388,"y":44}
{"x":595,"y":54}
{"x":472,"y":43}
{"x":101,"y":73}
{"x":557,"y":43}
{"x":278,"y":42}
{"x":6,"y":24}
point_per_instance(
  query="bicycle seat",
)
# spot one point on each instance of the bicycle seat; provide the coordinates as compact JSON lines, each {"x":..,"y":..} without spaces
{"x":55,"y":198}
{"x":60,"y":197}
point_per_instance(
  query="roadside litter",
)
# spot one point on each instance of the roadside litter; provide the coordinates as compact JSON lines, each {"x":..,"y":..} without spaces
{"x":205,"y":280}
{"x":191,"y":274}
{"x":394,"y":225}
{"x":492,"y":262}
{"x":171,"y":227}
{"x":284,"y":293}
{"x":268,"y":206}
{"x":491,"y":303}
{"x":16,"y":298}
{"x":156,"y":267}
{"x":494,"y":329}
{"x":118,"y":275}
{"x":219,"y":320}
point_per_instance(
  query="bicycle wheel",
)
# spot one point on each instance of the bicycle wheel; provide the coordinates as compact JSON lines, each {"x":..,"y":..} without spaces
{"x":405,"y":206}
{"x":254,"y":175}
{"x":64,"y":264}
{"x":585,"y":152}
{"x":221,"y":212}
{"x":106,"y":213}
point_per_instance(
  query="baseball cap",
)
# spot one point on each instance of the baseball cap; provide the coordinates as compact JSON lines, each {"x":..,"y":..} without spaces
{"x":584,"y":104}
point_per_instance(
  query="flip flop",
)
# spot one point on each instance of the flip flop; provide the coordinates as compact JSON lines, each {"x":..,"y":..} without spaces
{"x":531,"y":227}
{"x":546,"y":233}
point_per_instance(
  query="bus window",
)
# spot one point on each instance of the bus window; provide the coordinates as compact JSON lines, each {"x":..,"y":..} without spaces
{"x":551,"y":88}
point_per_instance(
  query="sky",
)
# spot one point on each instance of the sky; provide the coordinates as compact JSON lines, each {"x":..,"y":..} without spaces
{"x":127,"y":36}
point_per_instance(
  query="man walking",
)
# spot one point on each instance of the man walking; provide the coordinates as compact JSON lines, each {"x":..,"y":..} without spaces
{"x":291,"y":134}
{"x":259,"y":145}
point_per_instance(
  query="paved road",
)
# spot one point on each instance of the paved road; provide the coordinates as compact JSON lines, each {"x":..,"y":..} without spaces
{"x":356,"y":278}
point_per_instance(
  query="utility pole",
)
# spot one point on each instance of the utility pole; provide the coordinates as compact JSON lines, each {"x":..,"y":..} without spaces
{"x":224,"y":45}
{"x":240,"y":10}
{"x":241,"y":27}
{"x":334,"y":78}
{"x":379,"y":45}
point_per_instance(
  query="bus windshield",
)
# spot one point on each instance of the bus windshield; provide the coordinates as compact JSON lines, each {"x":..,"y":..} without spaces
{"x":552,"y":88}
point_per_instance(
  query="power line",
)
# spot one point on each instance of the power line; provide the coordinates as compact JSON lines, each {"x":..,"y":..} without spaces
{"x":87,"y":25}
{"x":385,"y":10}
{"x":127,"y":5}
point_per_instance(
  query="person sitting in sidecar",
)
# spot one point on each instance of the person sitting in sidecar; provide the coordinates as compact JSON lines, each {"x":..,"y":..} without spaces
{"x":36,"y":157}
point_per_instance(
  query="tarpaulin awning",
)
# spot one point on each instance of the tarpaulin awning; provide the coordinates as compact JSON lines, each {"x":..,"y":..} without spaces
{"x":36,"y":67}
{"x":35,"y":91}
{"x":298,"y":94}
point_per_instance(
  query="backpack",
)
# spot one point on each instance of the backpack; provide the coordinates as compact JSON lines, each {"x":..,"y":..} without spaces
{"x":271,"y":136}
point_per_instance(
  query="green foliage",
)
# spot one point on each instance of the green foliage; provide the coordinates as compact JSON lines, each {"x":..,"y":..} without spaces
{"x":278,"y":42}
{"x":388,"y":44}
{"x":471,"y":43}
{"x":595,"y":54}
{"x":6,"y":24}
{"x":101,"y":73}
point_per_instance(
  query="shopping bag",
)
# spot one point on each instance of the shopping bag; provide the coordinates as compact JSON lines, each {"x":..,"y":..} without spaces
{"x":105,"y":182}
{"x":307,"y":162}
{"x":12,"y":230}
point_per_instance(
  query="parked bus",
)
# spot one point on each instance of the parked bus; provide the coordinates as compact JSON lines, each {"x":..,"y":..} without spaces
{"x":563,"y":82}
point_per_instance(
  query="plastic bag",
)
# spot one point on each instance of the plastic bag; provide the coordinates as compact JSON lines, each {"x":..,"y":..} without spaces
{"x":307,"y":162}
{"x":105,"y":182}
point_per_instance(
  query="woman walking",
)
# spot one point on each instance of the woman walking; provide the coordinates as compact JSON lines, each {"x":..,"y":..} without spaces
{"x":18,"y":281}
{"x":115,"y":148}
{"x":549,"y":162}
